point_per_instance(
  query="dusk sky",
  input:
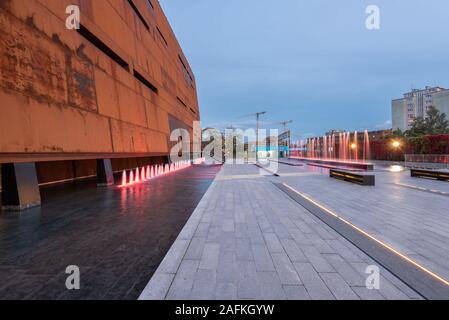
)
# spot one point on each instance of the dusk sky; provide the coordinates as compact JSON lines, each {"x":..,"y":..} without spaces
{"x":313,"y":62}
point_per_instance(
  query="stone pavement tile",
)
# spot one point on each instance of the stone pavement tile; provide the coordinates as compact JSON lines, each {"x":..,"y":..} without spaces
{"x":214,"y":233}
{"x":211,"y":254}
{"x":387,"y":289}
{"x":203,"y":230}
{"x":296,"y":292}
{"x":264,"y":224}
{"x":195,"y":249}
{"x":318,"y":261}
{"x":281,"y":231}
{"x":349,"y":274}
{"x":270,"y":286}
{"x":158,"y":287}
{"x":228,"y":241}
{"x":207,"y":216}
{"x":273,"y":243}
{"x":344,"y":251}
{"x":239,"y":215}
{"x":174,"y":256}
{"x":251,"y":220}
{"x":241,"y":230}
{"x":320,"y":244}
{"x":367,"y":294}
{"x":204,"y":285}
{"x":243,"y":250}
{"x":285,"y":269}
{"x":313,"y":283}
{"x":255,"y":235}
{"x":262,"y":258}
{"x":301,"y":225}
{"x":189,"y":229}
{"x":225,"y":291}
{"x":293,"y":251}
{"x":392,"y":292}
{"x":299,"y":237}
{"x":182,"y":284}
{"x":323,"y":232}
{"x":227,"y":270}
{"x":228,"y":225}
{"x":248,"y":286}
{"x":338,"y":286}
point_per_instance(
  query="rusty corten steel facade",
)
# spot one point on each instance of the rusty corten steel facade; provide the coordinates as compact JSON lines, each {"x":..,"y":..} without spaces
{"x":109,"y":90}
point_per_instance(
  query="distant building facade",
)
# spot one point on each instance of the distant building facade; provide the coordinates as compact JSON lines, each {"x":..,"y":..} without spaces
{"x":416,"y":103}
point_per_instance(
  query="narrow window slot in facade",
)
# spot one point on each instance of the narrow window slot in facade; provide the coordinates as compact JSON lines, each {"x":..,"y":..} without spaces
{"x":139,"y":15}
{"x":145,"y":82}
{"x":187,"y":75}
{"x":89,"y":36}
{"x":162,"y":36}
{"x":182,"y":102}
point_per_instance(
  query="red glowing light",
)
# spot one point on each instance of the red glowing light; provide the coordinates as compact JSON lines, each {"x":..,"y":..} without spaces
{"x":124,"y":178}
{"x":149,"y":172}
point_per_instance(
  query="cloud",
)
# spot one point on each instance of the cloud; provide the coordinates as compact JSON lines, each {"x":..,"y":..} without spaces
{"x":384,"y":125}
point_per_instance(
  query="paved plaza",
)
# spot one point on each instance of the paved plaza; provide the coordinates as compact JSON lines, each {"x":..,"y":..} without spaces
{"x":249,"y":240}
{"x":410,"y":214}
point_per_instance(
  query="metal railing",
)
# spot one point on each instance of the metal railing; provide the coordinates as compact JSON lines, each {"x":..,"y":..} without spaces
{"x":428,"y":161}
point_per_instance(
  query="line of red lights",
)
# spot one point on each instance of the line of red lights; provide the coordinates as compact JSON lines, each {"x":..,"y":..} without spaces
{"x":149,"y":172}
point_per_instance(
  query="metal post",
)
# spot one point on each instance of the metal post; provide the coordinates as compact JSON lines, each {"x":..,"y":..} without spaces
{"x":20,"y":187}
{"x":258,"y":114}
{"x":105,"y":177}
{"x":284,"y":124}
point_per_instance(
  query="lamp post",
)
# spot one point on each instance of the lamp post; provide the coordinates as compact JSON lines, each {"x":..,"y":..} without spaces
{"x":258,"y":114}
{"x":284,"y":124}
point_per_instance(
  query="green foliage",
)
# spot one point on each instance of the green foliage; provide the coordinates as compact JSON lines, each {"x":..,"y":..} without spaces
{"x":434,"y":123}
{"x":396,"y":134}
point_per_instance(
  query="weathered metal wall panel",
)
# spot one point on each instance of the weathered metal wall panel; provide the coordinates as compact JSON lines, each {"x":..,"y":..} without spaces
{"x":60,"y":94}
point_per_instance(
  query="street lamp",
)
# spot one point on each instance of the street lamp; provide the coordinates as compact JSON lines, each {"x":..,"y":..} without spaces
{"x":396,"y":144}
{"x":284,"y":124}
{"x":258,"y":114}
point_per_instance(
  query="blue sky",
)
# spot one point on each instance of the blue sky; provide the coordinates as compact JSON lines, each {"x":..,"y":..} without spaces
{"x":313,"y":62}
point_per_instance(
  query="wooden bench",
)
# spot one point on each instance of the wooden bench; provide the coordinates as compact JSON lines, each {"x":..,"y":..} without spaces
{"x":432,"y":174}
{"x":361,"y":178}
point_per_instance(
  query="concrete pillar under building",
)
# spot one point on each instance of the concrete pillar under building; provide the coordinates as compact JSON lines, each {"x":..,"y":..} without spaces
{"x":20,"y":188}
{"x":105,"y":176}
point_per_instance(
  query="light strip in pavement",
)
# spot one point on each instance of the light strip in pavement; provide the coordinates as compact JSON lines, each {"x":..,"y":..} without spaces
{"x":424,"y":281}
{"x":409,"y":186}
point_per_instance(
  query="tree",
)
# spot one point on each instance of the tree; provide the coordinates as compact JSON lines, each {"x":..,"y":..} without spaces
{"x":396,"y":134}
{"x":434,"y":123}
{"x":417,"y":129}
